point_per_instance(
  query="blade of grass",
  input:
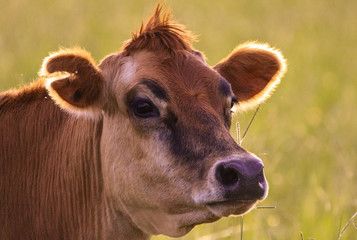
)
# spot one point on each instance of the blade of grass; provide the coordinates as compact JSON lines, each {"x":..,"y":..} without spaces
{"x":250,"y":123}
{"x":265,"y":207}
{"x":241,"y":228}
{"x":346,"y":226}
{"x":238,"y":132}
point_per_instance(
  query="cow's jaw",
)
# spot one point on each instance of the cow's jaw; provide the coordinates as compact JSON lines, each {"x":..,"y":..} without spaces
{"x":156,"y":221}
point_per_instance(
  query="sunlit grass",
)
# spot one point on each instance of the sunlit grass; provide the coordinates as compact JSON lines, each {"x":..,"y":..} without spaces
{"x":306,"y":133}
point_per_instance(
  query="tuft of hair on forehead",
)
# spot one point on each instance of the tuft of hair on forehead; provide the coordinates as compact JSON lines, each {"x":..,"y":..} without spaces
{"x":160,"y":33}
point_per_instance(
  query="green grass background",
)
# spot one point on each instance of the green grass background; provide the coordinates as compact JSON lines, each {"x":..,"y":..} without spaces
{"x":306,"y":133}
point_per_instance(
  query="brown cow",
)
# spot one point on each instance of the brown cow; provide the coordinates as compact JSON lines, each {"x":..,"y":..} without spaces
{"x":136,"y":146}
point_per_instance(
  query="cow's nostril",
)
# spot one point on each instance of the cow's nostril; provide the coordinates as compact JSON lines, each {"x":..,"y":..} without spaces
{"x":227,"y":176}
{"x":241,"y":179}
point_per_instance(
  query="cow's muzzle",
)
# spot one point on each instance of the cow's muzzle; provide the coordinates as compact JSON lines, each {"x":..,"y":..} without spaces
{"x":236,"y":184}
{"x":241,"y":178}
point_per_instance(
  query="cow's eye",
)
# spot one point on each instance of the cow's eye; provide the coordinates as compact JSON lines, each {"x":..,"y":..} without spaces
{"x":234,"y":101}
{"x":144,"y":108}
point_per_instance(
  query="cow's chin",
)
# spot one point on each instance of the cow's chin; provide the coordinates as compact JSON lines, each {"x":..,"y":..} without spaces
{"x":218,"y":210}
{"x":177,"y":224}
{"x":173,"y":223}
{"x":214,"y":211}
{"x":233,"y":207}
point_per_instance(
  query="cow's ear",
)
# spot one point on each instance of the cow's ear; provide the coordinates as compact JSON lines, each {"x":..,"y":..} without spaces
{"x":74,"y":82}
{"x":253,"y":70}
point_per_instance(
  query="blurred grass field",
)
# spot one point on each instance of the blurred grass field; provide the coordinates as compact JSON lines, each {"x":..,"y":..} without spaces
{"x":306,"y":133}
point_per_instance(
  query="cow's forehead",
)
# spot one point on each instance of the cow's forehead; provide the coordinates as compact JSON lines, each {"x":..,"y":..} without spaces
{"x":185,"y":77}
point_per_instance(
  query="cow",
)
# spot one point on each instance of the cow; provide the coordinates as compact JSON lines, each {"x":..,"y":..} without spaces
{"x":136,"y":146}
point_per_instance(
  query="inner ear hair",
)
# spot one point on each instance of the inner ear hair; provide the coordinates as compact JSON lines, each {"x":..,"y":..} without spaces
{"x":254,"y":71}
{"x":74,"y":81}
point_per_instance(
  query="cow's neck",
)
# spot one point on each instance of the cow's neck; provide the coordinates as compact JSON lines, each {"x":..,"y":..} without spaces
{"x":120,"y":226}
{"x":54,"y":170}
{"x":101,"y":217}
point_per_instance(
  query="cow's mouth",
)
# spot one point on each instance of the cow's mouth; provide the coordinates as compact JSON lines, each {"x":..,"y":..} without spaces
{"x":208,"y":212}
{"x":230,"y":207}
{"x":219,"y":209}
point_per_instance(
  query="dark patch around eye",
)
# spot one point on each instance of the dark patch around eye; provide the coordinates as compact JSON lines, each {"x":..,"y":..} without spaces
{"x":191,"y":144}
{"x":170,"y":119}
{"x":156,"y":89}
{"x":225,"y":87}
{"x":234,"y":100}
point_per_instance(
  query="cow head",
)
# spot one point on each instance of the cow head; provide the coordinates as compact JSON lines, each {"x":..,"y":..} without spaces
{"x":169,"y":162}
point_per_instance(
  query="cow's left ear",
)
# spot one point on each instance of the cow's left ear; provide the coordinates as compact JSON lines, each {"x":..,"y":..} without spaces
{"x":253,"y":70}
{"x":74,"y":82}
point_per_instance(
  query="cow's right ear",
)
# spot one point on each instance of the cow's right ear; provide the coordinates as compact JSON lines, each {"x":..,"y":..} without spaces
{"x":254,"y":71}
{"x":74,"y":82}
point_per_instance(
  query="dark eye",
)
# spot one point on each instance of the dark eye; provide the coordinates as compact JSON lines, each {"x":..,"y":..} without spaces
{"x":234,"y":100}
{"x":144,"y":108}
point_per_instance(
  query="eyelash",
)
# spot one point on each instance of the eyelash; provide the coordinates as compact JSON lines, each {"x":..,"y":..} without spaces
{"x":144,"y":108}
{"x":234,"y":101}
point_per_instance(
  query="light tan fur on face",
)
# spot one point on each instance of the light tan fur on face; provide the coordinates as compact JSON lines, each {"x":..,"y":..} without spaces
{"x":146,"y":162}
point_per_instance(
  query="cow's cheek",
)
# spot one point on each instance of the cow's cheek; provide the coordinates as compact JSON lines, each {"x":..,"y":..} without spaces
{"x":135,"y":169}
{"x":119,"y":152}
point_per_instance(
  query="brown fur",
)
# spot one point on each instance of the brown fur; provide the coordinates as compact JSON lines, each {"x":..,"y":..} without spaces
{"x":50,"y":183}
{"x":160,"y":34}
{"x":109,"y":175}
